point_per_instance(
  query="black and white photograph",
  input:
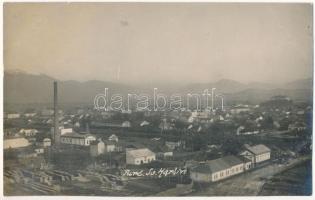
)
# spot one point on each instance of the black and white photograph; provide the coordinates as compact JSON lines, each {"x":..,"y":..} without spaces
{"x":157,"y":99}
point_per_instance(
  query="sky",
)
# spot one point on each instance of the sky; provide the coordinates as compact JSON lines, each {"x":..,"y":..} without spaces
{"x":160,"y":42}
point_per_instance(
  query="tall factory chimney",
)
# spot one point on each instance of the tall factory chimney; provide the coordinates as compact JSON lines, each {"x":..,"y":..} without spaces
{"x":56,"y":136}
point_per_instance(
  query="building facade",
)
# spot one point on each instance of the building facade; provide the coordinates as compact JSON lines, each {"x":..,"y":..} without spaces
{"x":139,"y":156}
{"x":257,"y":154}
{"x":97,"y":148}
{"x":218,"y":169}
{"x":15,"y":142}
{"x":77,"y":139}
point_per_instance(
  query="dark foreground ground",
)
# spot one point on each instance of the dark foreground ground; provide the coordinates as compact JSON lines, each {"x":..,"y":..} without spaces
{"x":294,"y":181}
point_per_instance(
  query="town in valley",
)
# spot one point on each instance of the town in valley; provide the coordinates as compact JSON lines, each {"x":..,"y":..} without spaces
{"x":122,"y":99}
{"x":60,"y":150}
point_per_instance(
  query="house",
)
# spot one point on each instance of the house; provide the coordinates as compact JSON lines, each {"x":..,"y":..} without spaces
{"x":110,"y":146}
{"x":46,"y":142}
{"x":15,"y":142}
{"x":218,"y":169}
{"x":201,"y":116}
{"x":77,"y":139}
{"x":126,"y":111}
{"x":126,"y":124}
{"x":297,"y":126}
{"x":165,"y":125}
{"x":257,"y":154}
{"x":113,"y":137}
{"x":174,"y":145}
{"x":163,"y":152}
{"x":77,"y":124}
{"x":30,"y":114}
{"x":139,"y":156}
{"x":239,"y":109}
{"x":39,"y":150}
{"x":13,"y":115}
{"x":144,"y":123}
{"x":62,"y":130}
{"x":97,"y":147}
{"x":29,"y":132}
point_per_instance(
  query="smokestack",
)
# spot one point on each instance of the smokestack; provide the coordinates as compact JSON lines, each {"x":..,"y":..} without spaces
{"x":56,"y":122}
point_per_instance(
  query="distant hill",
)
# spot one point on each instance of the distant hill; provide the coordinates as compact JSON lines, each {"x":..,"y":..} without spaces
{"x":21,"y":87}
{"x":300,"y":84}
{"x":28,"y":88}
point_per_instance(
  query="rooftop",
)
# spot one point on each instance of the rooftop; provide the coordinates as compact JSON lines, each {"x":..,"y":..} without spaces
{"x":219,"y":164}
{"x":76,"y":135}
{"x":140,"y":152}
{"x":258,"y":149}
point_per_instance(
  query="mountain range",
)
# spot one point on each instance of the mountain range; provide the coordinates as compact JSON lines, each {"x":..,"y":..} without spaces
{"x":21,"y":87}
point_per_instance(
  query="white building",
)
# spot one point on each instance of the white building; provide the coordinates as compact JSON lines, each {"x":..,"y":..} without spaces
{"x":97,"y":148}
{"x":39,"y":150}
{"x":29,"y":132}
{"x":218,"y":169}
{"x":30,"y":114}
{"x":126,"y":124}
{"x":257,"y":153}
{"x":62,"y":130}
{"x":15,"y":142}
{"x":113,"y":137}
{"x":200,"y":115}
{"x":110,"y":146}
{"x":239,"y":109}
{"x":144,"y":123}
{"x":139,"y":156}
{"x":173,"y":145}
{"x":13,"y":115}
{"x":77,"y":139}
{"x":46,"y":142}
